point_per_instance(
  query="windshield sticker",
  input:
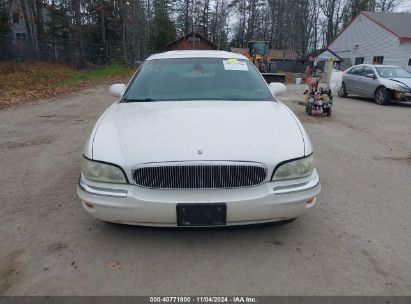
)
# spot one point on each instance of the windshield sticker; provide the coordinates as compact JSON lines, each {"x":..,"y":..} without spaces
{"x":235,"y":65}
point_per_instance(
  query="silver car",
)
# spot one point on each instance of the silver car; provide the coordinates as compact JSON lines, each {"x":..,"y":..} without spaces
{"x":384,"y":83}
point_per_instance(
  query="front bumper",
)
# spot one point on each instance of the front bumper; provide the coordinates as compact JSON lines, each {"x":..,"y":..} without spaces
{"x":401,"y":96}
{"x":130,"y":204}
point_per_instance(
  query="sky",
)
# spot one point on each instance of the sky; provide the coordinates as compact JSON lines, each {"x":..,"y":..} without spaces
{"x":404,"y":6}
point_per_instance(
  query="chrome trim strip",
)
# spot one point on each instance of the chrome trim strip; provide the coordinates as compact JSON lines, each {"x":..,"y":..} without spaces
{"x":102,"y":191}
{"x":199,"y":174}
{"x":297,"y":187}
{"x":199,"y":163}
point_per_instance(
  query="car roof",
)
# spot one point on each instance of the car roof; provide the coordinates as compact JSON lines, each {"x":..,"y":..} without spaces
{"x":196,"y":54}
{"x":385,"y":65}
{"x":377,"y":65}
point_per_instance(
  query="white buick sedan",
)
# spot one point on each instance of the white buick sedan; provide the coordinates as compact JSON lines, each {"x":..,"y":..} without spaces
{"x":197,"y":139}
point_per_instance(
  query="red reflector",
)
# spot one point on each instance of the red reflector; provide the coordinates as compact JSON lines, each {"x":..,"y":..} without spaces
{"x":310,"y":201}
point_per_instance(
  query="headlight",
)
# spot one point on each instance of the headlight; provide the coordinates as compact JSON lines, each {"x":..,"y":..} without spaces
{"x":295,"y":169}
{"x":399,"y":88}
{"x":101,"y":172}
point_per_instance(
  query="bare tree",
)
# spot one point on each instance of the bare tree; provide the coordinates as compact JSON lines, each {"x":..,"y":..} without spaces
{"x":299,"y":25}
{"x":122,"y":4}
{"x":27,"y":21}
{"x":79,"y":32}
{"x":386,"y":5}
{"x":328,"y":8}
{"x":218,"y":23}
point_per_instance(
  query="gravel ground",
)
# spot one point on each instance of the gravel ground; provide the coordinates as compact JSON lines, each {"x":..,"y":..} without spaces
{"x":356,"y":241}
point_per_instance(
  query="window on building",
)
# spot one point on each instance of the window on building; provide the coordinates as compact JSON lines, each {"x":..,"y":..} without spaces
{"x":409,"y":62}
{"x":359,"y":60}
{"x":16,"y":17}
{"x":20,"y":35}
{"x":378,"y":60}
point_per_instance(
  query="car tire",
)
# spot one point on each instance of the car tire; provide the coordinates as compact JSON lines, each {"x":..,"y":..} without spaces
{"x":342,"y":92}
{"x":382,"y":96}
{"x":309,"y":109}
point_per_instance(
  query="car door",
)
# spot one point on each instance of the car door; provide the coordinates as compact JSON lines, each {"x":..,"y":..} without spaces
{"x":351,"y":79}
{"x":368,"y":82}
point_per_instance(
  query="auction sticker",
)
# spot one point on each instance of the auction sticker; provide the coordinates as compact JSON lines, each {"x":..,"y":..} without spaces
{"x":235,"y":65}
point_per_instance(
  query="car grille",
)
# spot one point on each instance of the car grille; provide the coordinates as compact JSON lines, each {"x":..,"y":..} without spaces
{"x":202,"y":175}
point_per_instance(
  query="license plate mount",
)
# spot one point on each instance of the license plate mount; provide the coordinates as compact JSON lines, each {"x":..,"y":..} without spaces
{"x":197,"y":215}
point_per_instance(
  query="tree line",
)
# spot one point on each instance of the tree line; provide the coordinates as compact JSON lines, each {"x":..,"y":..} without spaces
{"x":139,"y":28}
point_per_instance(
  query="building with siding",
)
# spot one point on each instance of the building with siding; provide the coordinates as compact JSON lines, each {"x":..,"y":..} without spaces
{"x":373,"y":37}
{"x":17,"y":22}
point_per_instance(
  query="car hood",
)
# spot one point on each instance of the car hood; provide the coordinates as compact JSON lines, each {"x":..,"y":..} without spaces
{"x":401,"y":81}
{"x":143,"y":132}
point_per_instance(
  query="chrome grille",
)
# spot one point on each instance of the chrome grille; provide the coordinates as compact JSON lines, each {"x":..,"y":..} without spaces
{"x":188,"y":175}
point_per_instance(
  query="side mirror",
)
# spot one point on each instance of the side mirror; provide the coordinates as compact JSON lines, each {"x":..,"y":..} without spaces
{"x":277,"y":88}
{"x":371,"y":75}
{"x":117,"y":90}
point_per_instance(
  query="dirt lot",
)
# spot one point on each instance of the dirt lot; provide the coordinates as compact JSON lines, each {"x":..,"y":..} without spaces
{"x":357,"y":240}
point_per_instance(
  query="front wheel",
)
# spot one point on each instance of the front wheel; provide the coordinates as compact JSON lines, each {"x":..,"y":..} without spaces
{"x":342,"y":92}
{"x":382,"y":96}
{"x":308,"y":109}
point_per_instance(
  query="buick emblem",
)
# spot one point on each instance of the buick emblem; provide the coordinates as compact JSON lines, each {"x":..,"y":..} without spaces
{"x":200,"y":151}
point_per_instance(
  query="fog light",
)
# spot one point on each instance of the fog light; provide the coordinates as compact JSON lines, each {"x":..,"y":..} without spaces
{"x":88,"y":205}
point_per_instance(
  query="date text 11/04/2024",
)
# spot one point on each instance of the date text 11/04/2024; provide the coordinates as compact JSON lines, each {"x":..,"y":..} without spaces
{"x":203,"y":299}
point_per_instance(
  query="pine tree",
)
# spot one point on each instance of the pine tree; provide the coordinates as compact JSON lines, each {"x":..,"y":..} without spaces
{"x":163,"y":29}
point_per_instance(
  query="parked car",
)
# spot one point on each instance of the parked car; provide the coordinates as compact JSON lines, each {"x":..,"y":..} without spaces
{"x":197,"y":139}
{"x":384,"y":83}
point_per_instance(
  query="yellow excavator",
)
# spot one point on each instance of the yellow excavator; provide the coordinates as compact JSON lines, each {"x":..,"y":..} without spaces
{"x":258,"y":51}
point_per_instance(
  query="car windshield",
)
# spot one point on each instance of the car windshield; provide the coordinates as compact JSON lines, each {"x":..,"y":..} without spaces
{"x":197,"y":79}
{"x":393,"y":72}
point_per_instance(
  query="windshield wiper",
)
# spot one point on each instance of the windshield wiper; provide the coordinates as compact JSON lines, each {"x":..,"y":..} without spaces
{"x":139,"y":99}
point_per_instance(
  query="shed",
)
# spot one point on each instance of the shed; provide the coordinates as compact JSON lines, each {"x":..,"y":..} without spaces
{"x":284,"y":60}
{"x":327,"y":55}
{"x":191,"y":41}
{"x":273,"y":54}
{"x":280,"y":54}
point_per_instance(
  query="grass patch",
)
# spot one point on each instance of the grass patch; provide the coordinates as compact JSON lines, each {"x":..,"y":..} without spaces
{"x":104,"y":72}
{"x":30,"y":81}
